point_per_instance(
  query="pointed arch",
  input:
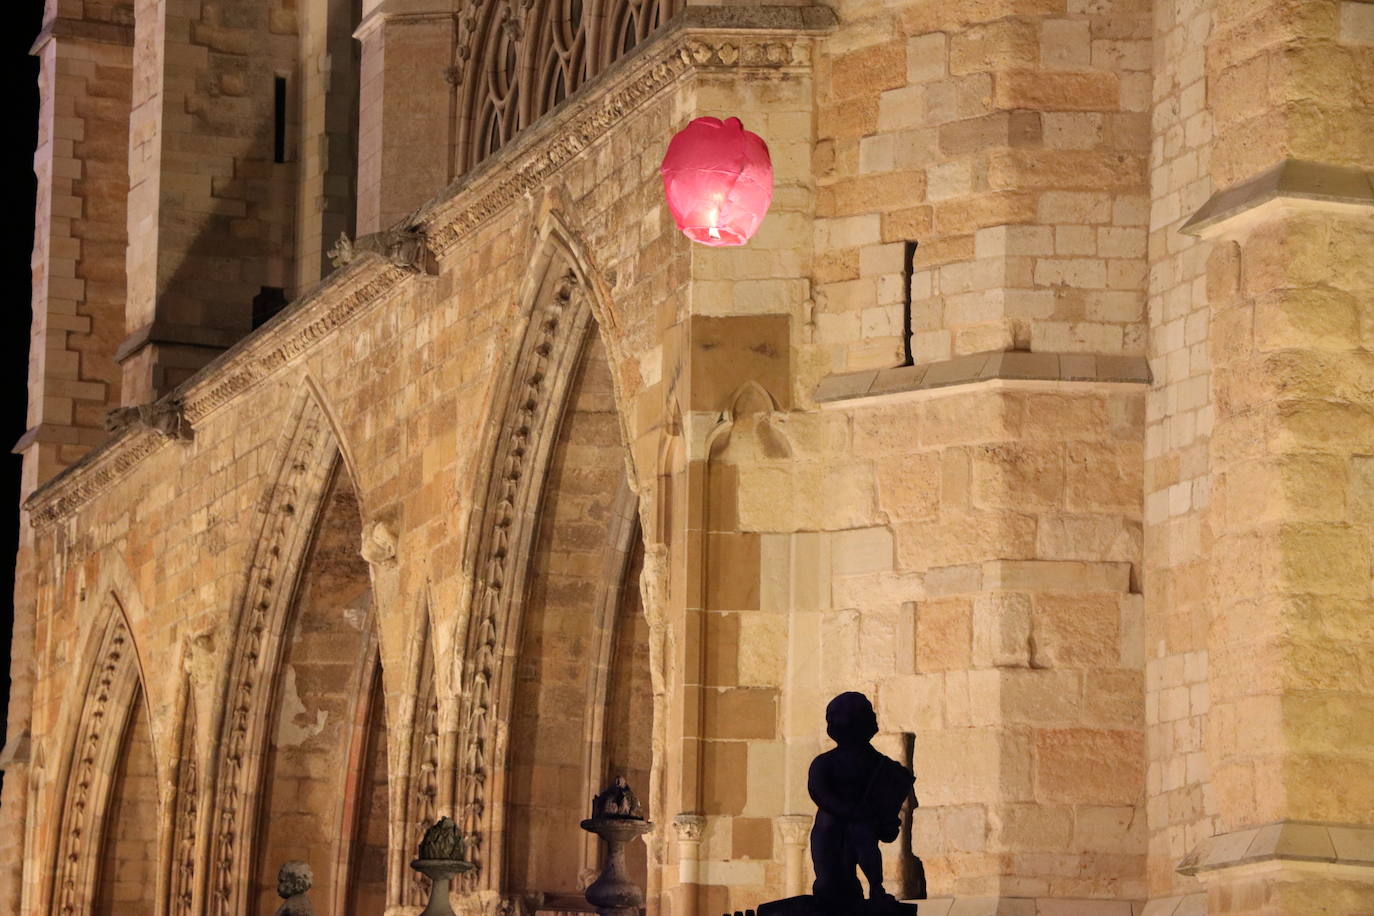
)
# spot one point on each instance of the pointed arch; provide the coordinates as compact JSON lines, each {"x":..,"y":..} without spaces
{"x":111,"y":698}
{"x":527,"y":410}
{"x":288,"y":511}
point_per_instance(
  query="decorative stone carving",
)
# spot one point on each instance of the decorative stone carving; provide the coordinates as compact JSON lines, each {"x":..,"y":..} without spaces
{"x":293,"y":880}
{"x":402,"y":247}
{"x":111,"y":687}
{"x":618,"y":819}
{"x":379,"y":544}
{"x":186,"y":816}
{"x":288,"y":509}
{"x":554,"y":336}
{"x":422,"y":804}
{"x":167,"y":418}
{"x":689,"y":827}
{"x":517,"y":59}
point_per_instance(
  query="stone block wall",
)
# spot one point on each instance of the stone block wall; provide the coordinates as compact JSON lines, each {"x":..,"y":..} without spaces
{"x":1009,"y":142}
{"x":1178,"y":478}
{"x":78,"y":258}
{"x":207,"y":196}
{"x":1115,"y":611}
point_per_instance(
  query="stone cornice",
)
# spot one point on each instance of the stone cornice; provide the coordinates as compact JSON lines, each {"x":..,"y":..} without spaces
{"x":775,"y":39}
{"x":110,"y":33}
{"x":849,"y":388}
{"x":1350,"y":845}
{"x":1292,"y":184}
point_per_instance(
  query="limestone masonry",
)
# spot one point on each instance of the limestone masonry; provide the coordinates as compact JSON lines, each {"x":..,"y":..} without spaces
{"x":1040,"y":410}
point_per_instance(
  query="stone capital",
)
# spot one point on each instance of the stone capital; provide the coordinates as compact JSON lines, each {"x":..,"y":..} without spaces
{"x":794,"y":828}
{"x":689,"y":827}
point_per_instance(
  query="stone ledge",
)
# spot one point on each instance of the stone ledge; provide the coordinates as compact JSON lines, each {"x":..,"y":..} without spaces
{"x":58,"y":434}
{"x":1284,"y":841}
{"x":985,"y":367}
{"x":92,"y":30}
{"x":1291,"y":183}
{"x":1188,"y":905}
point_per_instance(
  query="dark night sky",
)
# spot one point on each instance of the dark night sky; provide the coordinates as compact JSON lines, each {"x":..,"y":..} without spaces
{"x":21,"y":78}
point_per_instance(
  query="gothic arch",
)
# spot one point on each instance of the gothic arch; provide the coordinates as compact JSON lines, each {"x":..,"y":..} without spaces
{"x":111,"y":698}
{"x":289,"y":509}
{"x":527,"y":412}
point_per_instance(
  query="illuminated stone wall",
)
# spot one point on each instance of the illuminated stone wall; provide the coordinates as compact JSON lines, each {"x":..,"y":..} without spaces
{"x":1036,"y":410}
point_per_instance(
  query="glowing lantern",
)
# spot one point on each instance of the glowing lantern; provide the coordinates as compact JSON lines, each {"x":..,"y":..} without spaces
{"x":718,"y":180}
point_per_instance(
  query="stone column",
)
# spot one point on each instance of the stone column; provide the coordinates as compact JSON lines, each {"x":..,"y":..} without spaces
{"x":405,"y":139}
{"x":794,"y":830}
{"x":1289,"y":282}
{"x":688,"y":828}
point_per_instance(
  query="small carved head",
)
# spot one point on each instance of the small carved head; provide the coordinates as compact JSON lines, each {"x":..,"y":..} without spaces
{"x":849,"y":719}
{"x":294,"y":879}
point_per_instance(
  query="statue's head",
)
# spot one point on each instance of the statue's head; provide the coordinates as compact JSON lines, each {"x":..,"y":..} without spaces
{"x":294,"y":878}
{"x":849,"y":719}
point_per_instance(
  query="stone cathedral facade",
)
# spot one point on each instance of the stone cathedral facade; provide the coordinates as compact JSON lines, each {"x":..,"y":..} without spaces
{"x":1041,"y":409}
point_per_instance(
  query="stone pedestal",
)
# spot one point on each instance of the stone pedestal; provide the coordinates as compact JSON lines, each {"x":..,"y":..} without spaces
{"x":614,"y":894}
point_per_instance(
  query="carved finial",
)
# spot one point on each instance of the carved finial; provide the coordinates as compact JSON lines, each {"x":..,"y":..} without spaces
{"x":443,"y":842}
{"x":618,"y":801}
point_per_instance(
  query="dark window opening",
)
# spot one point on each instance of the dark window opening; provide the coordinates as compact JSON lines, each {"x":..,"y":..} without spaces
{"x":267,"y":303}
{"x":908,"y":271}
{"x":279,"y":122}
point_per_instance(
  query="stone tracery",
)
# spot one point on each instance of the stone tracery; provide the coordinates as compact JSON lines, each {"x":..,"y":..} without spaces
{"x":518,"y":59}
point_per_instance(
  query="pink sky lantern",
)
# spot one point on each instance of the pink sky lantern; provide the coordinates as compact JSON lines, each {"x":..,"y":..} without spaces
{"x":718,"y":179}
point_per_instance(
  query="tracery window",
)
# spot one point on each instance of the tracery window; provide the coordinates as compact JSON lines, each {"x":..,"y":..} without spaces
{"x":518,"y":59}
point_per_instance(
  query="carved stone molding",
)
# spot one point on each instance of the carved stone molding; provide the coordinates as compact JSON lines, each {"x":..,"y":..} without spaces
{"x":185,"y":818}
{"x":109,"y":702}
{"x":533,"y":405}
{"x":422,"y":801}
{"x":327,"y":308}
{"x":288,"y":511}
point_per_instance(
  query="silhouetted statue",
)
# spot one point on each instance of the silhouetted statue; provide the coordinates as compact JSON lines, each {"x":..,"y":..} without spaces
{"x":859,"y":793}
